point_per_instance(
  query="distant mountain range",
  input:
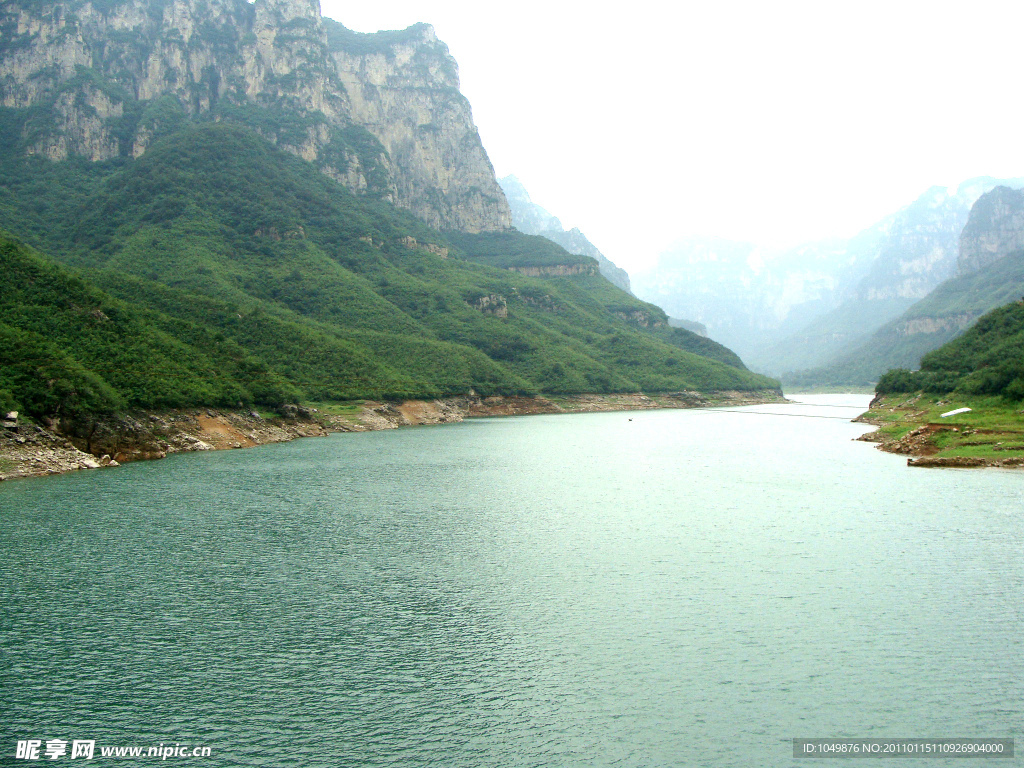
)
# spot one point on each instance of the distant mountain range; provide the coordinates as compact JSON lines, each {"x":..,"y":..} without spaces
{"x":745,"y":302}
{"x":532,"y":219}
{"x":989,"y":273}
{"x":808,"y":306}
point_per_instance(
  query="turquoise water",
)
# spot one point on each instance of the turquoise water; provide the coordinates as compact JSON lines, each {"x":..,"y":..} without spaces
{"x":662,"y":588}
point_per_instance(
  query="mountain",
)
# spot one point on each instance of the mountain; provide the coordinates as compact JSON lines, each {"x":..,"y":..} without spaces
{"x":345,"y":297}
{"x":962,"y":408}
{"x":380,"y":113}
{"x":802,"y":307}
{"x":69,"y":349}
{"x":530,"y":218}
{"x":994,"y":229}
{"x":918,"y":251}
{"x":699,"y":328}
{"x":218,"y":203}
{"x":990,"y":273}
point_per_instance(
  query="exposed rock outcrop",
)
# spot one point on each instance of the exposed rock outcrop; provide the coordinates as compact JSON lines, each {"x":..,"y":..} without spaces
{"x":404,"y":89}
{"x":922,"y":244}
{"x":990,"y":274}
{"x":32,"y":450}
{"x":559,"y":270}
{"x":142,"y":436}
{"x":411,"y":243}
{"x":382,"y":114}
{"x":947,"y":323}
{"x":641,"y":318}
{"x":491,"y":304}
{"x":29,"y":450}
{"x":995,"y":228}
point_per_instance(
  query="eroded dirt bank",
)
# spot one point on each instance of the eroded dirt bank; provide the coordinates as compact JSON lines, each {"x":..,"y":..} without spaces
{"x":28,"y":449}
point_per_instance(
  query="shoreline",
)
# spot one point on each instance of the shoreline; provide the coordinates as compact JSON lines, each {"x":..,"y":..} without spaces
{"x":905,"y":425}
{"x":28,"y":449}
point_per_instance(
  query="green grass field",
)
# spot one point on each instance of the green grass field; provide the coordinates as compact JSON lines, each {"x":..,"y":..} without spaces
{"x":993,"y":429}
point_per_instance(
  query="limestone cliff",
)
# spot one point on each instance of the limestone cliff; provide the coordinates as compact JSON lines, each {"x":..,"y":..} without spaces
{"x":920,"y":248}
{"x":104,"y":78}
{"x":912,"y":251}
{"x":404,"y":88}
{"x":995,"y":228}
{"x":558,"y":270}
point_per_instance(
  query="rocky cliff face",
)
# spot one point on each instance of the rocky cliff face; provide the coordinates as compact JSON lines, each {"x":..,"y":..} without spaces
{"x":384,"y":117}
{"x":995,"y":228}
{"x":558,"y":270}
{"x":907,"y":255}
{"x":912,"y":326}
{"x":923,"y":243}
{"x":532,"y":219}
{"x":404,"y":88}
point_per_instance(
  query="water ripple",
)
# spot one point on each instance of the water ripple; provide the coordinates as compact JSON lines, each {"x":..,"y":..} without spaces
{"x":680,"y":589}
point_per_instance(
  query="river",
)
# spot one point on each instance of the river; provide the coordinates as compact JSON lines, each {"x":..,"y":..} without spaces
{"x":652,"y":588}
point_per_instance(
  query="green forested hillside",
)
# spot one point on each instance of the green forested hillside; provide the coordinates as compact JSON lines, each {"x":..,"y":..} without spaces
{"x":68,"y":348}
{"x":511,"y":250}
{"x":988,"y":359}
{"x":237,"y":273}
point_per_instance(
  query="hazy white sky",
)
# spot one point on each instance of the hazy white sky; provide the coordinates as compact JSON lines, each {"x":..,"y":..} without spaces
{"x":772,"y":121}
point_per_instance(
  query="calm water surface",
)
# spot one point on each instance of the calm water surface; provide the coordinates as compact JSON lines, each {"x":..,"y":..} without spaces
{"x":666,"y":588}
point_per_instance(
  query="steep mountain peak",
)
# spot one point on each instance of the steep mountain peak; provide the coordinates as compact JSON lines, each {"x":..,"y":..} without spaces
{"x":972,"y":189}
{"x":994,"y":229}
{"x":403,"y":87}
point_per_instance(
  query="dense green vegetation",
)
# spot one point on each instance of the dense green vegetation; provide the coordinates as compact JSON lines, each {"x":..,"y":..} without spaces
{"x":341,"y":38}
{"x":231,"y":272}
{"x":67,"y":348}
{"x":986,"y":360}
{"x":514,"y":249}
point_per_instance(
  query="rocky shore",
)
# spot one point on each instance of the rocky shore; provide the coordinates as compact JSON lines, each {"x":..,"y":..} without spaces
{"x":919,"y":446}
{"x":28,"y":449}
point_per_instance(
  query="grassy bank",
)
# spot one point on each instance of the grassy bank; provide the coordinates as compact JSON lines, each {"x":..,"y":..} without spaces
{"x":991,"y":434}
